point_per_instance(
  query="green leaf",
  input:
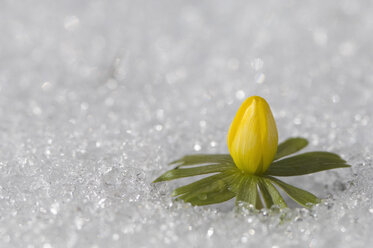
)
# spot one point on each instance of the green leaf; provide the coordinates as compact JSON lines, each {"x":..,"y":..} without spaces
{"x":265,"y":193}
{"x":209,"y":198}
{"x":235,"y":180}
{"x":179,"y":173}
{"x":210,"y":190}
{"x":301,"y":196}
{"x":290,"y":146}
{"x":306,"y":163}
{"x":270,"y":194}
{"x":208,"y":184}
{"x":204,"y":159}
{"x":259,"y":203}
{"x":248,"y":190}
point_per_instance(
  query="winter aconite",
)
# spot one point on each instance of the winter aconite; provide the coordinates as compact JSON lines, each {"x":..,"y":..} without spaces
{"x":248,"y":172}
{"x":252,"y":137}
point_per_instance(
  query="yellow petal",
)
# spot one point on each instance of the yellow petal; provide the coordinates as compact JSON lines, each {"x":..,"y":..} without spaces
{"x":252,"y":136}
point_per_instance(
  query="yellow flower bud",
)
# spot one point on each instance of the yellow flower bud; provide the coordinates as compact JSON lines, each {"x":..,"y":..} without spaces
{"x":252,"y":136}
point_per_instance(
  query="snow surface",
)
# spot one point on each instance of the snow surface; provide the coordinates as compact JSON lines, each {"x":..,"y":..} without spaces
{"x":96,"y":97}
